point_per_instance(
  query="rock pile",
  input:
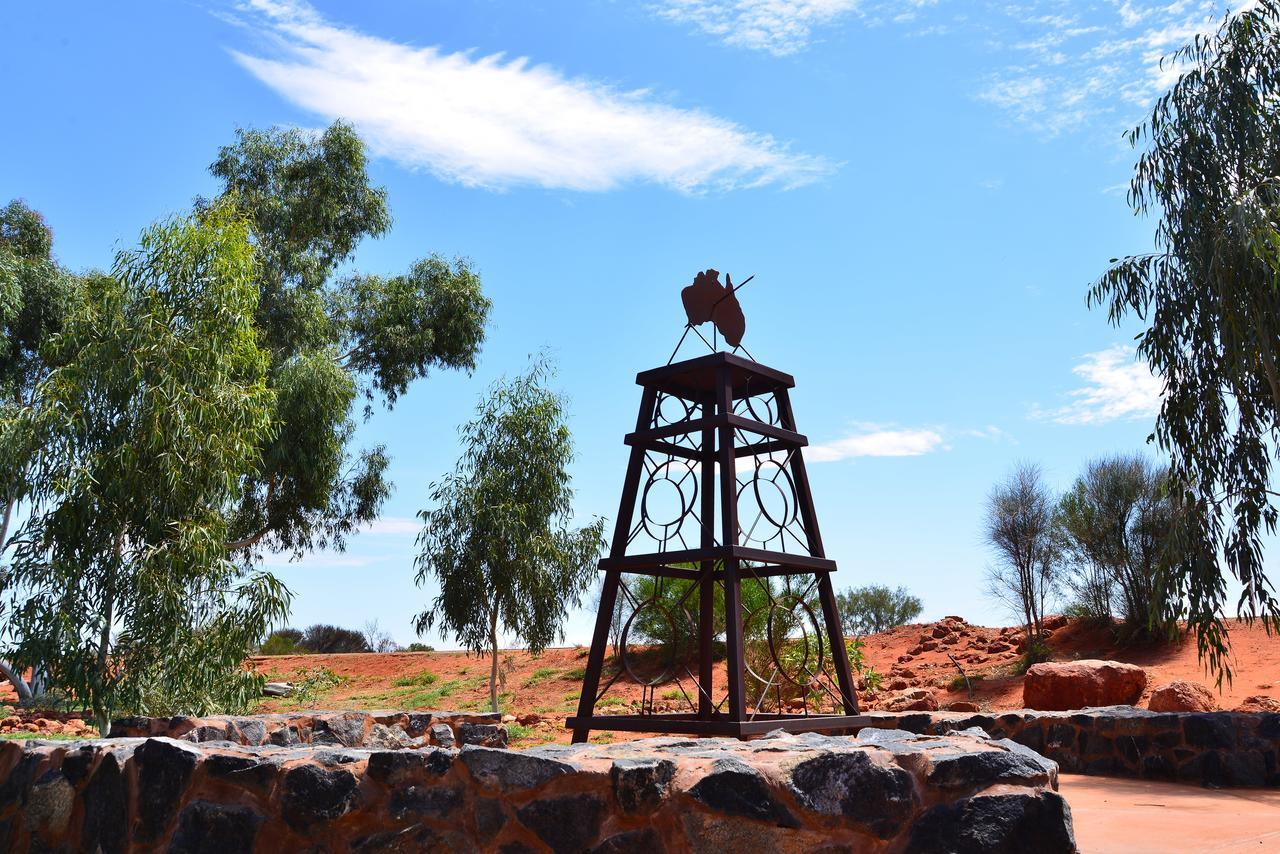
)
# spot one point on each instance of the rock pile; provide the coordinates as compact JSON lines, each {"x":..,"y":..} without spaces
{"x":14,"y":721}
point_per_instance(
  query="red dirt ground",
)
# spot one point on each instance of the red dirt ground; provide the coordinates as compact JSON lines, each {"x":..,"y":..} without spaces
{"x":541,"y":691}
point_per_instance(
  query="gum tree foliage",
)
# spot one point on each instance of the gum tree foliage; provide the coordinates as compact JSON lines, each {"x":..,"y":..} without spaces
{"x":136,"y":440}
{"x":1114,"y":526}
{"x":330,"y":343}
{"x":1020,"y":531}
{"x":498,"y":539}
{"x":1209,"y":172}
{"x":876,"y":608}
{"x":669,"y":610}
{"x":35,"y":295}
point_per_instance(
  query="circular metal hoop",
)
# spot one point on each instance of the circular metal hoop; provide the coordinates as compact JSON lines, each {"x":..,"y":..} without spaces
{"x":788,"y":494}
{"x":810,"y":640}
{"x":661,"y":418}
{"x":672,"y":659}
{"x":663,"y":473}
{"x":767,"y":404}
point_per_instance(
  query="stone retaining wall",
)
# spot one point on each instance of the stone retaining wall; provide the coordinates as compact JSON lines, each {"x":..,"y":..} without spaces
{"x":385,"y":730}
{"x":881,"y":791}
{"x":1209,"y":748}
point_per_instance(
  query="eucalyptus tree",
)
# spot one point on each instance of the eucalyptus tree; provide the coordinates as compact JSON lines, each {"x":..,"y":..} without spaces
{"x":1020,"y":532}
{"x":876,"y":608}
{"x":499,"y":540}
{"x":1209,"y":171}
{"x":35,"y":294}
{"x":140,"y":435}
{"x":331,"y":342}
{"x":1115,"y":525}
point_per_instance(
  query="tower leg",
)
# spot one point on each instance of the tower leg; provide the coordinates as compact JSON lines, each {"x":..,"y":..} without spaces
{"x":736,"y":663}
{"x":839,"y":654}
{"x":595,"y":661}
{"x":707,"y":584}
{"x":613,"y":577}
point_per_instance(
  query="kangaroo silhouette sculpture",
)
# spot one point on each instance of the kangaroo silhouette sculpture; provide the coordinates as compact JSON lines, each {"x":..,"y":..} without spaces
{"x":717,"y":556}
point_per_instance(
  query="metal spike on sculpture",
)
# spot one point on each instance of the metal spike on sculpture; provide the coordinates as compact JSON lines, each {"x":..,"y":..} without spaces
{"x":717,"y":556}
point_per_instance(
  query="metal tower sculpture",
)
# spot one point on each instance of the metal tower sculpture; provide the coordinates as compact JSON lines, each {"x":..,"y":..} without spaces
{"x":717,"y":554}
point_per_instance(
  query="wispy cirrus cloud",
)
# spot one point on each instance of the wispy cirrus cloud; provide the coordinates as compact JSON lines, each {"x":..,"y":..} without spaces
{"x":1054,"y":66}
{"x":1117,"y":386}
{"x":496,"y":122}
{"x":779,"y":27}
{"x":1077,"y":63}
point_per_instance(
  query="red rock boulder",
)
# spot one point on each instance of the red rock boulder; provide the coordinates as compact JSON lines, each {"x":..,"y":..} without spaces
{"x":1259,"y":703}
{"x":1182,"y":696}
{"x":915,"y":700}
{"x":1059,"y":686}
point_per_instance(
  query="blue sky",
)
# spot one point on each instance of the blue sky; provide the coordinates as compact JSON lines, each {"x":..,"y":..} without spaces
{"x":923,"y":191}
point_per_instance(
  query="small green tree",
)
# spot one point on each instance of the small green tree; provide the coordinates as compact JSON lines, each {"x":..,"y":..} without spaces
{"x":1115,"y":525}
{"x":1019,"y":529}
{"x":1210,"y":174}
{"x":876,"y":608}
{"x":498,"y":539}
{"x":136,"y":441}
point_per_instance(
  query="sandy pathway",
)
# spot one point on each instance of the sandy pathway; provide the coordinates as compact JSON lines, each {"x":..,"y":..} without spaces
{"x":1136,"y":816}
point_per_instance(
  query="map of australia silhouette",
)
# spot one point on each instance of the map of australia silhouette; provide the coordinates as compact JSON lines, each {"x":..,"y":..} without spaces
{"x":708,"y":300}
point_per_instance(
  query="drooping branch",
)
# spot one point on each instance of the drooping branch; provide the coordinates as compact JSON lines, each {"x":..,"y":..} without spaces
{"x":255,"y":538}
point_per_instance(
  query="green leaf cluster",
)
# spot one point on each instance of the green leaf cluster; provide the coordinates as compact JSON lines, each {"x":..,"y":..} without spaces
{"x":331,"y":341}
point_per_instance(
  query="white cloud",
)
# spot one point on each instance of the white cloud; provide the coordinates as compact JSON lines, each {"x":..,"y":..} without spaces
{"x":1069,"y":73}
{"x":321,"y":560}
{"x":496,"y":122}
{"x":780,"y":27}
{"x":394,"y":526}
{"x":1058,"y":67}
{"x":872,"y":441}
{"x":1117,"y":386}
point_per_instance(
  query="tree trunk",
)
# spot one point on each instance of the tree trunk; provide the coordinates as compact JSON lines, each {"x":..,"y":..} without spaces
{"x":101,"y":715}
{"x":14,"y":677}
{"x":493,"y":666}
{"x":4,"y":523}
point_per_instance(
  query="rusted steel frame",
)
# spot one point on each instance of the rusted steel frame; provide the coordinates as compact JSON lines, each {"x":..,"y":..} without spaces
{"x":706,"y":586}
{"x":690,"y":724}
{"x":826,"y":593}
{"x":769,"y":378}
{"x":648,"y":436}
{"x":664,"y":448}
{"x":761,"y":449}
{"x":641,"y":564}
{"x":729,"y":537}
{"x":612,"y":578}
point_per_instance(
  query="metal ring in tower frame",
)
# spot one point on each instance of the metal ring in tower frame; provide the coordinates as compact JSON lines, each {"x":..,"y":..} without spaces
{"x":673,"y":658}
{"x":788,"y":495}
{"x":817,"y":639}
{"x":660,"y":473}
